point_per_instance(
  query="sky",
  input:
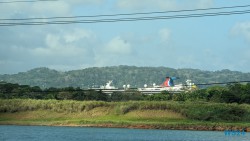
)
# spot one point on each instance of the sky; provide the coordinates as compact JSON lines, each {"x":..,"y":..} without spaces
{"x":206,"y":43}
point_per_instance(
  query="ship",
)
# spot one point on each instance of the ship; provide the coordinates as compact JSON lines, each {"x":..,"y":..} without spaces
{"x":168,"y":85}
{"x":109,"y":88}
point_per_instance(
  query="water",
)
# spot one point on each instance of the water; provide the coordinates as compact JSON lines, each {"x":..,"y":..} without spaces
{"x":46,"y":133}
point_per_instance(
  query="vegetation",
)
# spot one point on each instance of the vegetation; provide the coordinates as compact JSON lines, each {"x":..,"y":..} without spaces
{"x":135,"y":76}
{"x":138,"y":114}
{"x":233,"y":93}
{"x":49,"y":97}
{"x":192,"y":110}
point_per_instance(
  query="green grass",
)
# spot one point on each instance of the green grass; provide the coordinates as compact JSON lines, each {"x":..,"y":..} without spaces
{"x":134,"y":114}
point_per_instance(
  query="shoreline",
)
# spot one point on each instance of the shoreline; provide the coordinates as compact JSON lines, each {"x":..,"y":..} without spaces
{"x":192,"y":128}
{"x":168,"y":115}
{"x":141,"y":126}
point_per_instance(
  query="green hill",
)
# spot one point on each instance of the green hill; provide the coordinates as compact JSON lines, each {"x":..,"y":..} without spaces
{"x":135,"y":76}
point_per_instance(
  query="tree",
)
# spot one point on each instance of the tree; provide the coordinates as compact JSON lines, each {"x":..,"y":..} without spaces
{"x":180,"y":96}
{"x":214,"y":93}
{"x":64,"y":95}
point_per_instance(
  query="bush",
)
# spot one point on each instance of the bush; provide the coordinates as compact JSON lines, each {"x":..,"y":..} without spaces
{"x":215,"y":112}
{"x":125,"y":107}
{"x":18,"y":105}
{"x":196,"y":110}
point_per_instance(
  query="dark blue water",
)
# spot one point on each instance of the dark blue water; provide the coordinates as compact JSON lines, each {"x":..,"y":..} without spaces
{"x":46,"y":133}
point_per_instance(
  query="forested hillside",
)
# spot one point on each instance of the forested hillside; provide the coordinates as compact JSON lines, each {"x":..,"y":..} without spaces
{"x":135,"y":76}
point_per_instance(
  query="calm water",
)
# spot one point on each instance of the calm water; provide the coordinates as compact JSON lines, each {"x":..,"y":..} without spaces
{"x":46,"y":133}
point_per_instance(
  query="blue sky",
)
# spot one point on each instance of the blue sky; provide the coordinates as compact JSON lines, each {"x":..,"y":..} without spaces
{"x":207,"y":43}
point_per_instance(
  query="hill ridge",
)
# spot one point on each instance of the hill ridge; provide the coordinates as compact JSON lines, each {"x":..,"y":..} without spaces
{"x":133,"y":75}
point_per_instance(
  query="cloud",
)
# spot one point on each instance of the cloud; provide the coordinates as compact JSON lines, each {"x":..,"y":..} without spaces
{"x":204,"y":3}
{"x":53,"y":8}
{"x":117,"y":51}
{"x":242,"y":29}
{"x":118,"y":46}
{"x":87,"y":2}
{"x":37,"y":9}
{"x":165,"y":34}
{"x":72,"y":46}
{"x":146,"y":4}
{"x":56,"y":47}
{"x":83,"y":3}
{"x":26,"y":47}
{"x":162,"y":4}
{"x":86,"y":45}
{"x":44,"y":9}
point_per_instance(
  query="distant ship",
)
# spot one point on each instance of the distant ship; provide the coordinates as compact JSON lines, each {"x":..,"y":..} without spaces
{"x":168,"y":85}
{"x":108,"y":85}
{"x":109,"y":89}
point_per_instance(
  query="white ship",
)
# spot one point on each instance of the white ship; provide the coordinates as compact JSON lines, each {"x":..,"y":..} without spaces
{"x":109,"y":89}
{"x":108,"y":86}
{"x":167,"y":85}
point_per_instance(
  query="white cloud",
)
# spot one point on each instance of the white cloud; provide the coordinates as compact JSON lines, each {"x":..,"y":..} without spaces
{"x":87,"y":2}
{"x":69,"y":43}
{"x":204,"y":3}
{"x":117,"y":51}
{"x":37,"y":9}
{"x":165,"y":34}
{"x":44,"y":9}
{"x":55,"y":47}
{"x":162,"y":4}
{"x":77,"y":35}
{"x":53,"y":8}
{"x":242,"y":29}
{"x":72,"y":47}
{"x":118,"y":46}
{"x":146,"y":4}
{"x":50,"y":45}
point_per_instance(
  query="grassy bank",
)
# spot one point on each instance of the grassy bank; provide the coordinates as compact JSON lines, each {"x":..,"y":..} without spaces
{"x":132,"y":114}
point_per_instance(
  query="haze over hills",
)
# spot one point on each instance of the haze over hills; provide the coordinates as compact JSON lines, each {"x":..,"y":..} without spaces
{"x":135,"y":76}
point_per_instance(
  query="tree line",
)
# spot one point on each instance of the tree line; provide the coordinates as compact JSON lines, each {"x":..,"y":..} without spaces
{"x":232,"y":93}
{"x":121,"y":75}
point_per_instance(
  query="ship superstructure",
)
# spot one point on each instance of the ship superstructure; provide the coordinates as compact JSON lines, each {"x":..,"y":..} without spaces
{"x":168,"y":85}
